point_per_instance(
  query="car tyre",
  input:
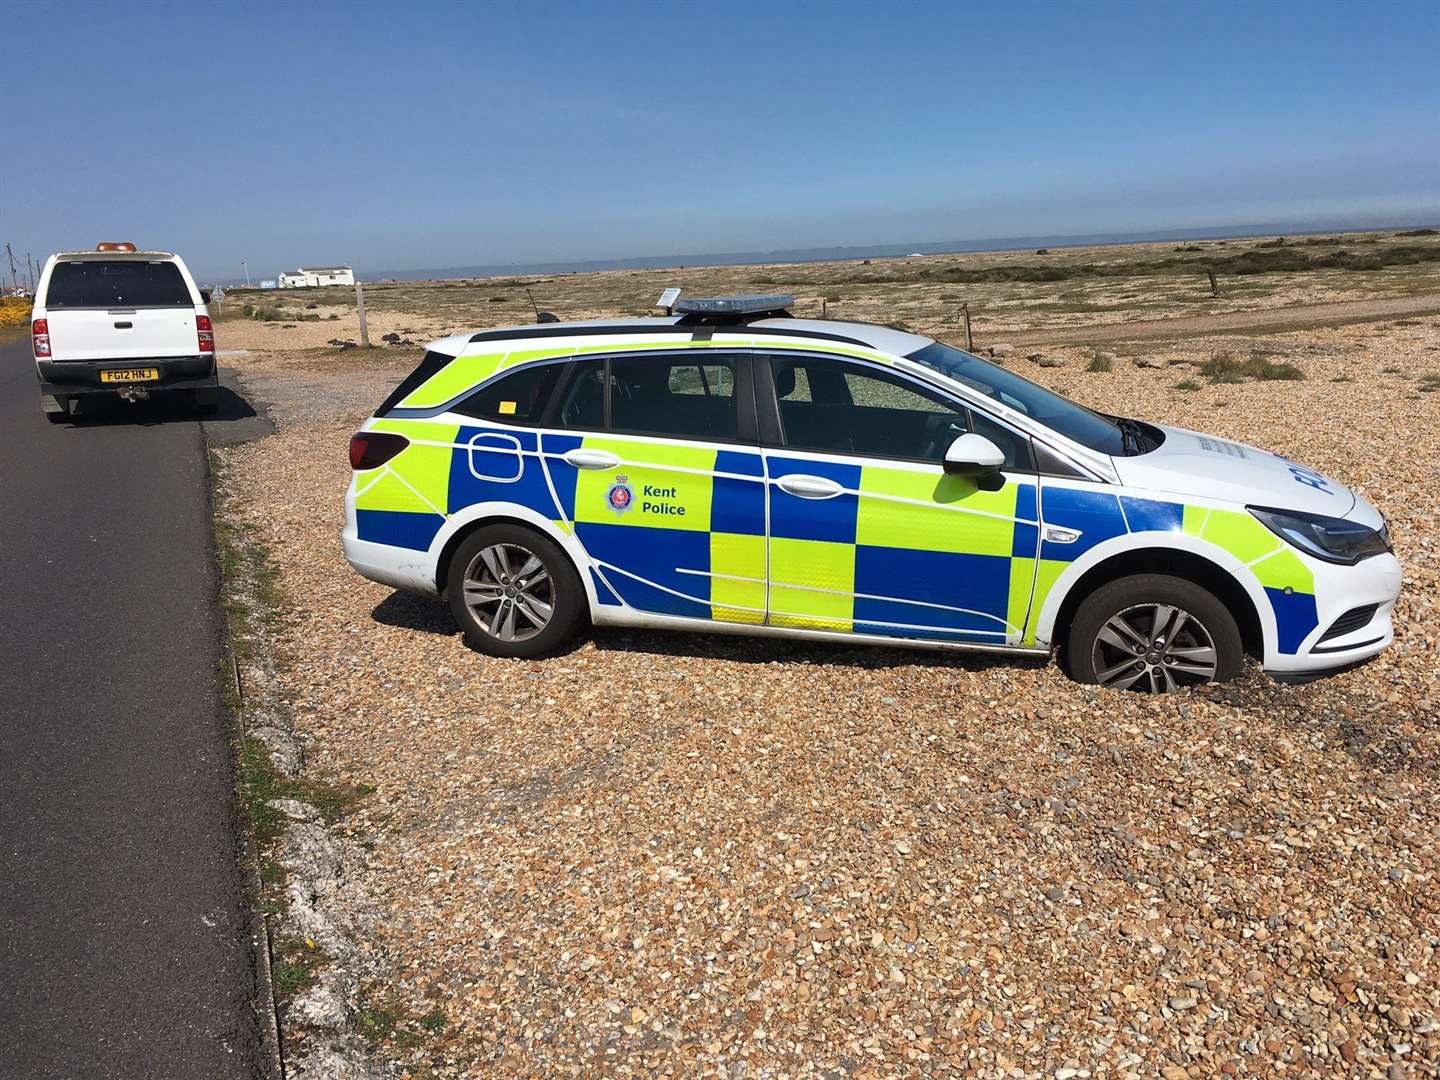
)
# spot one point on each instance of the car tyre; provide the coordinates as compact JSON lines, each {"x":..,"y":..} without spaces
{"x":514,"y":592}
{"x":60,"y":414}
{"x":1153,"y":633}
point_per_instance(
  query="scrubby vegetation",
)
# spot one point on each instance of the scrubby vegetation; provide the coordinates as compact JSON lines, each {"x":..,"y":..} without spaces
{"x":1225,"y":367}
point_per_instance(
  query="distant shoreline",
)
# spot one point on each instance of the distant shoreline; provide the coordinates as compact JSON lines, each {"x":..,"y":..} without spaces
{"x":876,"y":251}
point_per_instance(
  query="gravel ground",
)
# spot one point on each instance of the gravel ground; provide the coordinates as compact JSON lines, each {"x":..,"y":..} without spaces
{"x":665,"y":854}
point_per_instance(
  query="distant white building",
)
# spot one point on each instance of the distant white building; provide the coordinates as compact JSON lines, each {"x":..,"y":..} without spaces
{"x":309,"y":277}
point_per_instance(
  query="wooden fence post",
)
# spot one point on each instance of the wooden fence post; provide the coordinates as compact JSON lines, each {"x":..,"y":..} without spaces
{"x":969,"y":339}
{"x":360,"y":303}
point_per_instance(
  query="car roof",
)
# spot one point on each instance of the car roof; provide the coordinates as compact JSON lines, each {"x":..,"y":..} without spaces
{"x":880,"y":338}
{"x":108,"y":255}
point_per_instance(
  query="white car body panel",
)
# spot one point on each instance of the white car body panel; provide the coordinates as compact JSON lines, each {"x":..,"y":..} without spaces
{"x":1194,"y":469}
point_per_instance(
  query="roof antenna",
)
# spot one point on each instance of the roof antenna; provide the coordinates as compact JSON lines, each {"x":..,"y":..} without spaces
{"x":541,"y":316}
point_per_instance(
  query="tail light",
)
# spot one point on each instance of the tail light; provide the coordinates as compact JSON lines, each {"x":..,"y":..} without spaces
{"x":371,"y":449}
{"x":40,"y":337}
{"x":205,"y":332}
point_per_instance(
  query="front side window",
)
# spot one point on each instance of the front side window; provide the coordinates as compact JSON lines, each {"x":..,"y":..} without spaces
{"x":117,"y":283}
{"x":845,"y":408}
{"x":518,"y":398}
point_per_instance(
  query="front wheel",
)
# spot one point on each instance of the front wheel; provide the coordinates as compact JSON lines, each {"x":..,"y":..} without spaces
{"x":1155,"y":634}
{"x":514,"y":592}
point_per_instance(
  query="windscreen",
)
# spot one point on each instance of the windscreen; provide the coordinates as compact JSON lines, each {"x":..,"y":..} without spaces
{"x":121,"y":283}
{"x":1076,"y":422}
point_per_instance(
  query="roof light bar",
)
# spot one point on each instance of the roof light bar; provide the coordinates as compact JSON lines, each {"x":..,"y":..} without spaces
{"x":734,"y":305}
{"x":110,"y":245}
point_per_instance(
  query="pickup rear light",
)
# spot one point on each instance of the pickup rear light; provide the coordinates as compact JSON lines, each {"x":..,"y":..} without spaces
{"x":206,"y":333}
{"x":40,"y":337}
{"x":371,"y":449}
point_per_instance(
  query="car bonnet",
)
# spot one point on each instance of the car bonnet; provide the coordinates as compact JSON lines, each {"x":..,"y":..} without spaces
{"x":1189,"y":463}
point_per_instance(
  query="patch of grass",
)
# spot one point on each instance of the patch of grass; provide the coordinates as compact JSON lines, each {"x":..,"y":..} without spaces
{"x":1100,"y":361}
{"x":1391,"y":370}
{"x":1430,"y":382}
{"x":295,"y":966}
{"x":1188,"y":384}
{"x":1342,"y":378}
{"x":383,"y":1020}
{"x":1225,"y":367}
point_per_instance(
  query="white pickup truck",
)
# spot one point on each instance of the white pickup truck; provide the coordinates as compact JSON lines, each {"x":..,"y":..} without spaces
{"x":121,"y":323}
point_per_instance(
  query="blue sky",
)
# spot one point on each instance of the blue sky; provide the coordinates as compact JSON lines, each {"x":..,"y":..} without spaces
{"x":415,"y":135}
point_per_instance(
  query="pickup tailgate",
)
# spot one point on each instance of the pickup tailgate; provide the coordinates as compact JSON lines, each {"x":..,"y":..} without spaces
{"x":122,"y":309}
{"x":122,"y":333}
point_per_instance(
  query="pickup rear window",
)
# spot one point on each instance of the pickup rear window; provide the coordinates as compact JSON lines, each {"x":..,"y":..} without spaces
{"x":128,"y":283}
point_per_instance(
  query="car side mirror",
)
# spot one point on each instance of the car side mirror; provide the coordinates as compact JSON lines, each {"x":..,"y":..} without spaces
{"x":974,"y":456}
{"x":204,"y":296}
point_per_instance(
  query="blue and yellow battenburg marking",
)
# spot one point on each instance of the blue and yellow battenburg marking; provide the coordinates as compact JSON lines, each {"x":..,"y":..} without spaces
{"x":681,"y":530}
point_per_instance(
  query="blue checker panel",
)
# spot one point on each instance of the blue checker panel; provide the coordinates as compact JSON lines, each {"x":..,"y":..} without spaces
{"x":979,"y":583}
{"x":653,"y":557}
{"x":1024,"y":541}
{"x":1096,"y":514}
{"x":561,"y":474}
{"x":1154,"y":515}
{"x":1025,"y":502}
{"x":738,"y":506}
{"x":794,"y":518}
{"x":603,"y":592}
{"x":496,"y":460}
{"x":398,"y":528}
{"x":1295,"y":617}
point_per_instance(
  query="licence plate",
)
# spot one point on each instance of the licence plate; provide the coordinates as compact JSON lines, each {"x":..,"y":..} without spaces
{"x":132,"y":374}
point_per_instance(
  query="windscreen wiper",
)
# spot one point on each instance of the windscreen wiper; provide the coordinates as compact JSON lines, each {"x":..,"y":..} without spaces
{"x":1131,"y":434}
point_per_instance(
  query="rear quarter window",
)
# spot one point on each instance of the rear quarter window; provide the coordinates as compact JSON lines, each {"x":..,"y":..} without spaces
{"x":121,"y":283}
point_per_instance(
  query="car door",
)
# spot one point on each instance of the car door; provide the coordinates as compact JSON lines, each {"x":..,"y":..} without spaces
{"x":868,"y":533}
{"x":661,"y":477}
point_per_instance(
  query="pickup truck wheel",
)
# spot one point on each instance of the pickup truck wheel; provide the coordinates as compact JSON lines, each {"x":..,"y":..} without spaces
{"x":1153,"y":633}
{"x":514,"y":592}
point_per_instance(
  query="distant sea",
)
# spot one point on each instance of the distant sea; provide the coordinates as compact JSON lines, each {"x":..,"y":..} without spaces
{"x":878,"y":251}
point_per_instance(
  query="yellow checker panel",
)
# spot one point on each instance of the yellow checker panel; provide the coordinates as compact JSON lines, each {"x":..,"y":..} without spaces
{"x":732,"y":556}
{"x":662,"y":486}
{"x":1284,"y":570}
{"x":418,"y":477}
{"x":813,"y":584}
{"x":1022,"y":573}
{"x":923,"y":511}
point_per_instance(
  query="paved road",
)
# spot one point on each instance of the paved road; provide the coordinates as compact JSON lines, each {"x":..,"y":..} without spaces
{"x":123,"y":934}
{"x":1262,"y":321}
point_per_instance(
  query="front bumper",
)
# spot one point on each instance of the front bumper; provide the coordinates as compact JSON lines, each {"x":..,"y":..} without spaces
{"x":1341,"y":589}
{"x":74,"y":378}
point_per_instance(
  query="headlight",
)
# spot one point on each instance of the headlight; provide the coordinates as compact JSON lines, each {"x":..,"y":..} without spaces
{"x":1332,"y":539}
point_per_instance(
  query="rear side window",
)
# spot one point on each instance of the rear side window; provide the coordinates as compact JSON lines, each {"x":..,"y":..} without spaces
{"x":671,"y":396}
{"x":519,"y":398}
{"x":424,"y":371}
{"x":122,"y":283}
{"x":656,"y":395}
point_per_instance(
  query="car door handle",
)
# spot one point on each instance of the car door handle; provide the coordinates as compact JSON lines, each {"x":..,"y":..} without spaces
{"x":590,"y":459}
{"x":809,"y":487}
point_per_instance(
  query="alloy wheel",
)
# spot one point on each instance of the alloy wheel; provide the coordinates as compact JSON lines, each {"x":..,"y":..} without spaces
{"x":1157,"y":648}
{"x":509,"y":591}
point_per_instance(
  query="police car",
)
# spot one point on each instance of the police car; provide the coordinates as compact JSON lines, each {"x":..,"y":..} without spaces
{"x":730,"y":468}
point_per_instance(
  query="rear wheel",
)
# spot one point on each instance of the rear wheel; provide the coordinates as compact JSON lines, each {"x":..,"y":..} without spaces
{"x":60,"y":413}
{"x":514,"y":592}
{"x":1155,"y":634}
